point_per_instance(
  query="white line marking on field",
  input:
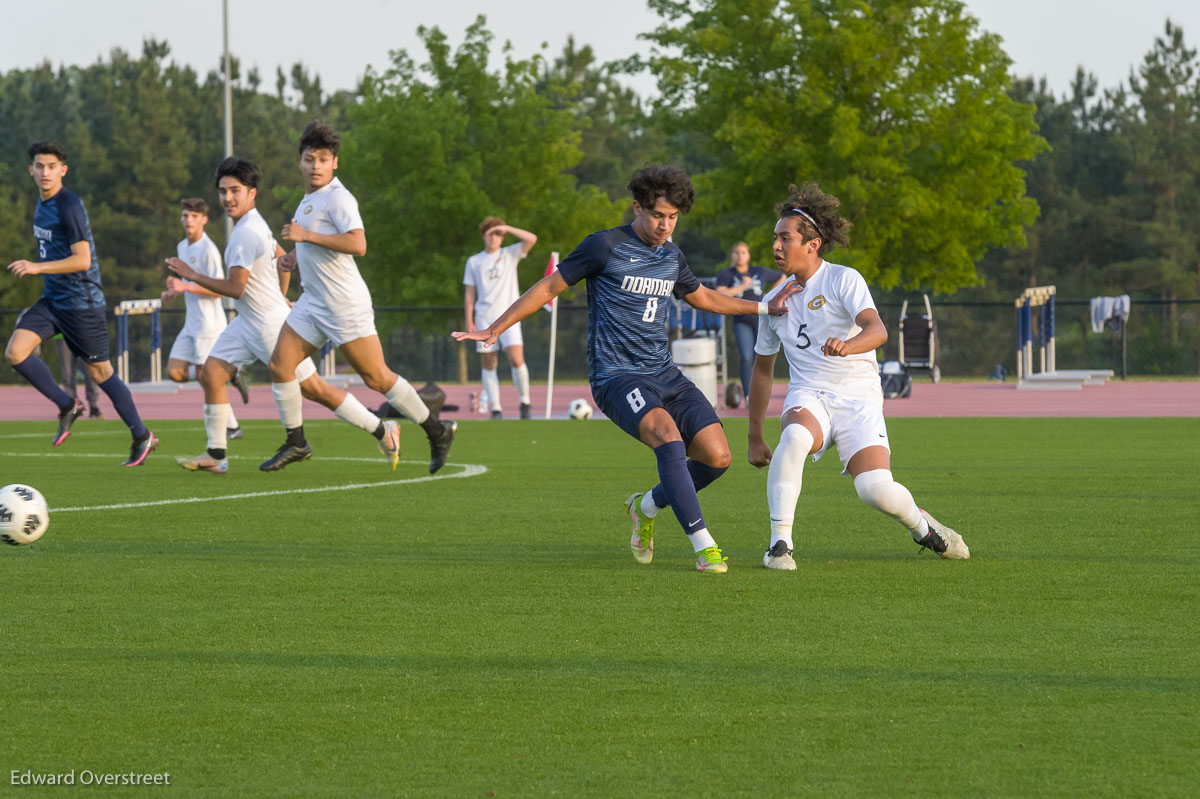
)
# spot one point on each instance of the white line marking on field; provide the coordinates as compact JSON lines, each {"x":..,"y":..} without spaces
{"x":468,"y":470}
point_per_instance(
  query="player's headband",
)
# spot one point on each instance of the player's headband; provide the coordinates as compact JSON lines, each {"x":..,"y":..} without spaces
{"x":800,"y":212}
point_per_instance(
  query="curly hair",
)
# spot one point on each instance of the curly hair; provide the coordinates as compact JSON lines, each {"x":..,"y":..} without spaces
{"x":817,"y":215}
{"x":317,"y":136}
{"x":669,"y":182}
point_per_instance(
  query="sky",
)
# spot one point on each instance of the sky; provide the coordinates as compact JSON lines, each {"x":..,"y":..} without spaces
{"x":337,"y":40}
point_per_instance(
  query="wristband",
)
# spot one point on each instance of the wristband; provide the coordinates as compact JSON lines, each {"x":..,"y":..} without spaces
{"x":762,"y":309}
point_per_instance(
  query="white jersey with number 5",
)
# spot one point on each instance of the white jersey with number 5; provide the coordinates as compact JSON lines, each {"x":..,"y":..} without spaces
{"x":825,"y":308}
{"x":329,"y":277}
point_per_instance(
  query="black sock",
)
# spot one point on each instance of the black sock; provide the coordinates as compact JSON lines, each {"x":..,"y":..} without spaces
{"x":219,"y":454}
{"x":378,"y":432}
{"x":295,"y":436}
{"x":432,"y":426}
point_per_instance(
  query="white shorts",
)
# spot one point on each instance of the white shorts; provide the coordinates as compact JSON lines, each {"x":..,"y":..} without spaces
{"x":316,"y":324}
{"x":509,"y":338}
{"x":192,"y":348}
{"x":242,"y":344}
{"x":849,"y":424}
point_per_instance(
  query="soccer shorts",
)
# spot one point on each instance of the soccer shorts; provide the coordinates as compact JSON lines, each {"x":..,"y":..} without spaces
{"x":626,"y":399}
{"x":316,"y":324}
{"x":509,"y":338}
{"x":241,"y":344}
{"x":192,"y":348}
{"x":85,"y":330}
{"x":851,"y":425}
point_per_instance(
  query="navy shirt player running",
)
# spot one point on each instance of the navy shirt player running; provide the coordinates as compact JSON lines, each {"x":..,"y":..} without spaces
{"x":72,"y":303}
{"x":632,"y":271}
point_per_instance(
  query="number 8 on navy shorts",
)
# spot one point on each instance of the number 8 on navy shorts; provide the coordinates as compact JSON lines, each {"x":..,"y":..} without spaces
{"x":627,"y":398}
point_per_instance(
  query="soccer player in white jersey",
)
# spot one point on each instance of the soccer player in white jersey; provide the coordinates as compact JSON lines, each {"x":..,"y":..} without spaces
{"x":834,"y":397}
{"x":336,"y":307}
{"x":491,"y":286}
{"x":257,"y":284}
{"x":204,"y":318}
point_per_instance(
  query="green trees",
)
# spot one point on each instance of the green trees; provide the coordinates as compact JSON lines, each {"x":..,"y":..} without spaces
{"x":898,"y":107}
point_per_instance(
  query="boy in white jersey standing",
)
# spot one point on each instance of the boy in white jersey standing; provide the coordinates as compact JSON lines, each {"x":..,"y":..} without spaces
{"x":336,"y":306}
{"x":204,"y":318}
{"x":257,"y":283}
{"x":834,"y":397}
{"x":491,"y":286}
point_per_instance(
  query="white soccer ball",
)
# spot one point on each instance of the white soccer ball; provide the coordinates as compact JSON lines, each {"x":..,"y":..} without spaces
{"x":23,"y":514}
{"x":579,"y":409}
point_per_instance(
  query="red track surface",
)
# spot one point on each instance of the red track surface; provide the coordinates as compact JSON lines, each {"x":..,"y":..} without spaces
{"x":1117,"y":399}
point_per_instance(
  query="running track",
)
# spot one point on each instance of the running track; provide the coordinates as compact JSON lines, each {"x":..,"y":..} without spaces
{"x":1116,"y":399}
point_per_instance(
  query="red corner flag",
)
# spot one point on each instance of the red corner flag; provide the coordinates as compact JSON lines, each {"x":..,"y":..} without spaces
{"x":550,"y":267}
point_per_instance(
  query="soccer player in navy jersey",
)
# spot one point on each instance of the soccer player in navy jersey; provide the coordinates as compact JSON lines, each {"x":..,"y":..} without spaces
{"x":631,"y":271}
{"x":72,"y":303}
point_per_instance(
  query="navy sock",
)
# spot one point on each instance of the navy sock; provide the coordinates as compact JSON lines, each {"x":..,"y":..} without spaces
{"x":122,"y":400}
{"x":677,"y":485}
{"x":35,"y":370}
{"x":702,"y":475}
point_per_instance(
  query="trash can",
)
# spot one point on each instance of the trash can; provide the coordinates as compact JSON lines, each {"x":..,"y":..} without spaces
{"x":697,"y":359}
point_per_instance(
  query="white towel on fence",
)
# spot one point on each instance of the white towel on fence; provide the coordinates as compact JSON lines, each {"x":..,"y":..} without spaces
{"x":1106,"y":308}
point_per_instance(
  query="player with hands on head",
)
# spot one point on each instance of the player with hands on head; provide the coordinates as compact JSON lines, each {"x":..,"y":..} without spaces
{"x":490,"y":279}
{"x":834,"y":396}
{"x":632,"y":271}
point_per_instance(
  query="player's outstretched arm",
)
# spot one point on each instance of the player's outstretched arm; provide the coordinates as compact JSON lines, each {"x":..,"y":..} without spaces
{"x":761,"y":381}
{"x":706,"y":299}
{"x":176,"y":287}
{"x":232,"y":286}
{"x":872,"y":337}
{"x":80,"y":260}
{"x":527,"y":304}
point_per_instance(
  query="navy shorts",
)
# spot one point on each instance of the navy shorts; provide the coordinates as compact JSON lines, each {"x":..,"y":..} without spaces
{"x":85,"y":330}
{"x":627,"y":398}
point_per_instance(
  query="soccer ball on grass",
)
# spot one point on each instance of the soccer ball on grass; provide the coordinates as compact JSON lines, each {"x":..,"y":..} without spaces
{"x":23,"y":514}
{"x":579,"y":409}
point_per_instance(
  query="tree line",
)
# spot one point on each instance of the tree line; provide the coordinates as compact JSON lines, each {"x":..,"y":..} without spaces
{"x":958,"y":177}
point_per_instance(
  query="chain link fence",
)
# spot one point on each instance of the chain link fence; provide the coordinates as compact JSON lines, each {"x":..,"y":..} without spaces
{"x":1162,"y":339}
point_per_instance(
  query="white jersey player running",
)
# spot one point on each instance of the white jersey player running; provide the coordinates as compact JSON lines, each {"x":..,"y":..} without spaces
{"x":204,"y":318}
{"x":829,"y":337}
{"x":336,"y":307}
{"x":491,"y":286}
{"x":257,"y":284}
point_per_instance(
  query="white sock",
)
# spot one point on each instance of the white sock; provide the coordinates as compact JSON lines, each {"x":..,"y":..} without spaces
{"x":289,"y":402}
{"x":702,"y":539}
{"x":491,"y":387}
{"x":881,"y":492}
{"x":231,"y":420}
{"x":520,"y":378}
{"x":403,"y":397}
{"x":785,"y":476}
{"x":649,"y":509}
{"x":354,"y":412}
{"x":216,"y":424}
{"x":483,"y":402}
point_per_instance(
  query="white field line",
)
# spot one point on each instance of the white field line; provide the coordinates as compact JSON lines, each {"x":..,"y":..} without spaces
{"x":468,"y":470}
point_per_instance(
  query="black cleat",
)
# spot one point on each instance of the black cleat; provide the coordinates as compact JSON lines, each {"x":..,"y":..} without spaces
{"x":140,"y":449}
{"x":288,"y":453}
{"x":439,"y":447}
{"x":497,"y":415}
{"x":525,"y":411}
{"x":65,"y":420}
{"x":240,"y":384}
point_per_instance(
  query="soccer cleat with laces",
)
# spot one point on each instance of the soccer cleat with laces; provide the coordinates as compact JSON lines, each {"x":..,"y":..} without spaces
{"x":239,"y":383}
{"x":204,"y":463}
{"x":389,"y":445}
{"x":65,"y":420}
{"x":779,"y":557}
{"x":642,"y":541}
{"x":439,"y":446}
{"x":942,"y":540}
{"x":288,"y":453}
{"x":711,"y":560}
{"x":140,"y":449}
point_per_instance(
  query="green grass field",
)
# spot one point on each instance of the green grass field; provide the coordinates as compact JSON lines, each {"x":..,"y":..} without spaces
{"x":490,"y":635}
